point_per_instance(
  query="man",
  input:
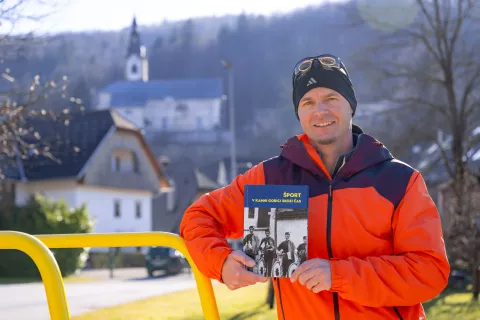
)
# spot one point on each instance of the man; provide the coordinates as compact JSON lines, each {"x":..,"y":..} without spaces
{"x":302,"y":250}
{"x":375,"y":242}
{"x":268,"y":245}
{"x":288,"y":249}
{"x":250,"y":245}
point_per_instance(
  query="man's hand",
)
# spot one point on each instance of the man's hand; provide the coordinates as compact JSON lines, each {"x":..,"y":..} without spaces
{"x":315,"y":274}
{"x":234,"y":274}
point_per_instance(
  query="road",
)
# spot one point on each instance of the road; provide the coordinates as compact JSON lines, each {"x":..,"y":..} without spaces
{"x":28,"y":301}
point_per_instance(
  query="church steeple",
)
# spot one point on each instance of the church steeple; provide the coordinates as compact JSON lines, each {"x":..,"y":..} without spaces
{"x":136,"y":67}
{"x":134,"y":43}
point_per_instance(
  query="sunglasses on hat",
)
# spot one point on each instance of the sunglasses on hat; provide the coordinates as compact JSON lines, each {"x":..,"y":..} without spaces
{"x":326,"y":61}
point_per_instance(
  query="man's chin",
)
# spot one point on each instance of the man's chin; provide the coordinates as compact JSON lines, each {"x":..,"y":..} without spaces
{"x":326,"y":142}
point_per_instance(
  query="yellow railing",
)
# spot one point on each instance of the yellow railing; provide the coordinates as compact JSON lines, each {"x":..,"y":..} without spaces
{"x":47,"y":266}
{"x":96,"y":240}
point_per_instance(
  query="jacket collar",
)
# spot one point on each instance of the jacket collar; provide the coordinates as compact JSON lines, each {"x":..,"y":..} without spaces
{"x":367,"y":152}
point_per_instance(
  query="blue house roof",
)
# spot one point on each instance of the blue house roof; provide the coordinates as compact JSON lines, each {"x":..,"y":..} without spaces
{"x":133,"y":93}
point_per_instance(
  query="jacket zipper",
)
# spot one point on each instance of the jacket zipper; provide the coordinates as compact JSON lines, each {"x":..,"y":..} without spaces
{"x":398,"y":313}
{"x":329,"y":245}
{"x":280,"y":297}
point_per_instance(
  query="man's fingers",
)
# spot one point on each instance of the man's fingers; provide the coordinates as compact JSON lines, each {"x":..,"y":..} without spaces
{"x":251,"y":276}
{"x":243,"y":258}
{"x":319,"y":287}
{"x":313,"y":281}
{"x":307,"y":275}
{"x":301,"y":269}
{"x":242,"y":279}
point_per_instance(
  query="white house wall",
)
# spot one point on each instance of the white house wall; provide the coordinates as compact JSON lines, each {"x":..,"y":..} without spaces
{"x":101,"y":207}
{"x":99,"y":203}
{"x":54,"y":190}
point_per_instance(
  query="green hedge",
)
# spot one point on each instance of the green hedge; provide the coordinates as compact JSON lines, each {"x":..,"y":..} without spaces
{"x":43,"y":216}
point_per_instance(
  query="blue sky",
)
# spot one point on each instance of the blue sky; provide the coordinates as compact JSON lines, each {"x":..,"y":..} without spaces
{"x":86,"y":15}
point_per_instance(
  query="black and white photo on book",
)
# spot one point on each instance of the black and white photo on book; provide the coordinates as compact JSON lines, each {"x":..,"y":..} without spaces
{"x":276,"y":228}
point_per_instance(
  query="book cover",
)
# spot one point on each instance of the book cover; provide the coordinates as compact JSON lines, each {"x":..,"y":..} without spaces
{"x":276,"y":228}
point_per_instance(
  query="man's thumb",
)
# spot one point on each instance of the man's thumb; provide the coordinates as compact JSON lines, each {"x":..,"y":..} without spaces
{"x":243,"y":258}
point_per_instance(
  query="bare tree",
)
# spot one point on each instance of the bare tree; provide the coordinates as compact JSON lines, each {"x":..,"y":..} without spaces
{"x":431,"y":68}
{"x":22,"y":103}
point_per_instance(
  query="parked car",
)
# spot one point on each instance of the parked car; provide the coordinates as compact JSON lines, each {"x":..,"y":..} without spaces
{"x":164,"y":259}
{"x":459,"y":279}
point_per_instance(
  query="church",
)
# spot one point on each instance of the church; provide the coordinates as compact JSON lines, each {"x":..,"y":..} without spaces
{"x":185,"y":110}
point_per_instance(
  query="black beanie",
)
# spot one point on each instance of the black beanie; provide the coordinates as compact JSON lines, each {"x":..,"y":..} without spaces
{"x":319,"y":77}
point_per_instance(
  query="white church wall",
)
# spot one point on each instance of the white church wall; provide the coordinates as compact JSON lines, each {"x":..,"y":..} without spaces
{"x":183,"y":115}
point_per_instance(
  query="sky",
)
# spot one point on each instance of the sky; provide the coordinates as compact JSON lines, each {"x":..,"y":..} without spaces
{"x":105,"y":15}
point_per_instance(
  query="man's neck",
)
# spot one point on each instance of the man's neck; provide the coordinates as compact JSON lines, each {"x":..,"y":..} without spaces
{"x":330,"y":153}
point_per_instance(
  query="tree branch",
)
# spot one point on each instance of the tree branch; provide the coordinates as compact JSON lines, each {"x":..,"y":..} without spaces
{"x":426,"y":14}
{"x":470,"y":86}
{"x":426,"y":42}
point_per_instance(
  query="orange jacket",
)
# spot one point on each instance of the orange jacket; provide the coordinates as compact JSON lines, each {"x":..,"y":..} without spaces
{"x":374,"y":221}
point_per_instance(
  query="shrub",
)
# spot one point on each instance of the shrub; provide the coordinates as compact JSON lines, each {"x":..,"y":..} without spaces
{"x":43,"y":216}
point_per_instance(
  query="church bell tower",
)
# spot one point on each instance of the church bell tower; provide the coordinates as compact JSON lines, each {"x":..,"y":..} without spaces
{"x":136,"y":67}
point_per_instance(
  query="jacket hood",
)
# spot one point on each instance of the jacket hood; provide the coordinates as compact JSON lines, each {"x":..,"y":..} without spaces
{"x":367,"y":152}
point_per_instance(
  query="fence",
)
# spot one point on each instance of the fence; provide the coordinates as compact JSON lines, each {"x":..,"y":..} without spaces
{"x":37,"y":247}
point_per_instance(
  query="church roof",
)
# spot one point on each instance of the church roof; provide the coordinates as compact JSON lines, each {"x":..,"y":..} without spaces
{"x":137,"y":93}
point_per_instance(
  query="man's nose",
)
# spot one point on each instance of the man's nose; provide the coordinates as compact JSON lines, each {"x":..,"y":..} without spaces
{"x":320,"y":107}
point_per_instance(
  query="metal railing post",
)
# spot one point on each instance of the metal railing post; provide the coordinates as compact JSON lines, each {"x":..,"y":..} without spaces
{"x":47,"y":266}
{"x":140,"y":239}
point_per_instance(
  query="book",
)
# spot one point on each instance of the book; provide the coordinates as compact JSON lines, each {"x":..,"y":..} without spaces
{"x":276,"y":228}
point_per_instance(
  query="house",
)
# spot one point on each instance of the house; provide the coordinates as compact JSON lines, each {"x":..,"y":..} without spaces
{"x":428,"y":159}
{"x":99,"y":159}
{"x":185,"y":110}
{"x":189,"y":184}
{"x":219,"y":171}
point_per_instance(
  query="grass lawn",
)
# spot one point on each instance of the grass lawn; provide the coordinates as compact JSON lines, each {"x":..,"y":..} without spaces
{"x":241,"y":304}
{"x":248,"y":303}
{"x":452,"y":305}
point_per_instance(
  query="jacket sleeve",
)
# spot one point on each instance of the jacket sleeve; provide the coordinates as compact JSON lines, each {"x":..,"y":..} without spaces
{"x":418,"y":269}
{"x":213,"y":218}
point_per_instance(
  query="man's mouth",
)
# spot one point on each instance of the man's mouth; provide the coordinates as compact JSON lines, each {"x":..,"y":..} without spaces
{"x":324,"y":124}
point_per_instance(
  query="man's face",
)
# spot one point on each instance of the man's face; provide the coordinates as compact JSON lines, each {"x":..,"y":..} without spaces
{"x":287,"y":236}
{"x":325,"y":116}
{"x":251,"y":230}
{"x":267,"y":233}
{"x":305,"y":240}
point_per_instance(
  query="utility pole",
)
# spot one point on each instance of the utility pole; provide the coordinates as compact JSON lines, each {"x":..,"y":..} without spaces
{"x":233,"y":158}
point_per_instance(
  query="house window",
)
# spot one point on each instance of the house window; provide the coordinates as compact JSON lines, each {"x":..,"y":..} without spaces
{"x":134,"y":69}
{"x":138,"y":209}
{"x":135,"y":162}
{"x":170,"y":200}
{"x":181,"y":107}
{"x":251,"y":213}
{"x":116,"y":163}
{"x":263,"y":218}
{"x":199,"y":123}
{"x":124,"y":161}
{"x":116,"y":209}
